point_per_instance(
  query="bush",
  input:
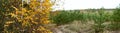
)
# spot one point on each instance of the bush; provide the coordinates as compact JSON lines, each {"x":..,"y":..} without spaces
{"x":22,"y":19}
{"x":99,"y":20}
{"x":115,"y":24}
{"x":65,"y":17}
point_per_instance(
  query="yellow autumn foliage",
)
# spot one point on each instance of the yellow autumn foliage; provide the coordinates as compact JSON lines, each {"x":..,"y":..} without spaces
{"x":29,"y":20}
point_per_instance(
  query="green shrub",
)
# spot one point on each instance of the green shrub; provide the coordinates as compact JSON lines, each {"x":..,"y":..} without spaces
{"x":115,"y":24}
{"x":99,"y":20}
{"x":62,"y":18}
{"x":65,"y":17}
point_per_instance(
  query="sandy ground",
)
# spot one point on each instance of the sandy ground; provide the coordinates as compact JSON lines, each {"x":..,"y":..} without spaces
{"x":78,"y":27}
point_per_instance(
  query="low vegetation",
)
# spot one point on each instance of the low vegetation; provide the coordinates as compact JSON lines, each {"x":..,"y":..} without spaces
{"x":102,"y":19}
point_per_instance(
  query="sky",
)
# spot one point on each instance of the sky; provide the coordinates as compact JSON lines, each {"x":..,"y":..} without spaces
{"x":86,"y":4}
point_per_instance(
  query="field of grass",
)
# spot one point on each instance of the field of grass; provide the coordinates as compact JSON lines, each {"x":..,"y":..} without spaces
{"x":99,"y":21}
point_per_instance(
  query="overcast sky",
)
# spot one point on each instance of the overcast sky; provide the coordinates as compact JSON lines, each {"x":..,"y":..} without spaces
{"x":85,"y":4}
